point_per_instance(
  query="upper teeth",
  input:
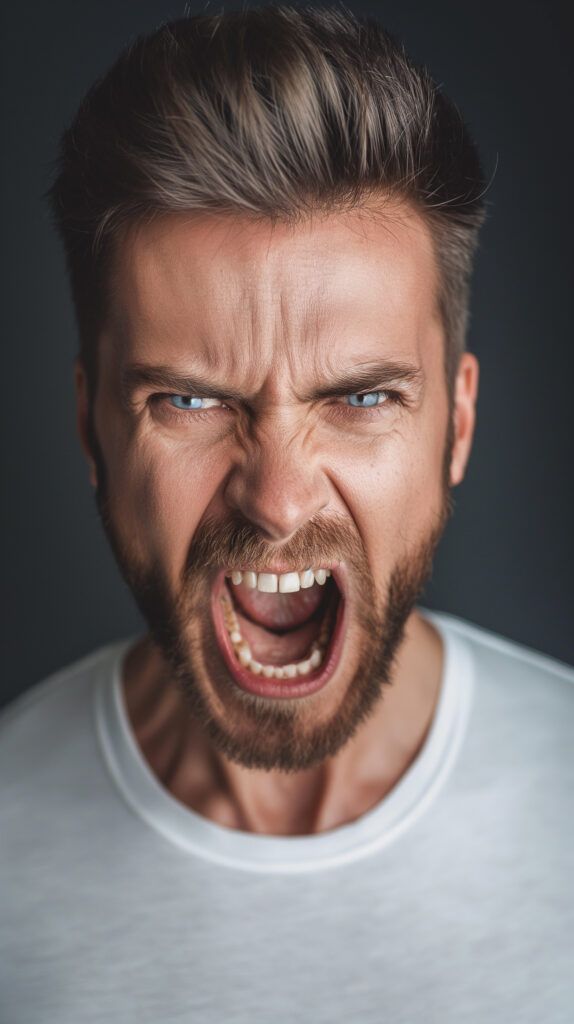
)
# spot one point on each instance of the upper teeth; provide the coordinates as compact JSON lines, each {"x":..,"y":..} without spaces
{"x":284,"y":583}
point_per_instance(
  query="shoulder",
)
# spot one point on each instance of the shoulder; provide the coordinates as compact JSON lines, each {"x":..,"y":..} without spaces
{"x":56,"y":796}
{"x":507,"y":661}
{"x":523,"y":700}
{"x":50,"y":719}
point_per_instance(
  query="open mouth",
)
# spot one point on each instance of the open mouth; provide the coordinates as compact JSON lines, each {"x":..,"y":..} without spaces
{"x":280,"y":634}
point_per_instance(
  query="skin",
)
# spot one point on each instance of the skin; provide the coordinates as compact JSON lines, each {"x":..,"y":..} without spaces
{"x":272,"y":312}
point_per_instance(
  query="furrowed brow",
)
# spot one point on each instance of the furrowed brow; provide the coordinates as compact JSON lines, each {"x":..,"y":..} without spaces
{"x":138,"y":375}
{"x":386,"y":374}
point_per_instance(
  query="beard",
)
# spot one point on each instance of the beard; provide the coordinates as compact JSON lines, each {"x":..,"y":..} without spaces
{"x":253,"y":731}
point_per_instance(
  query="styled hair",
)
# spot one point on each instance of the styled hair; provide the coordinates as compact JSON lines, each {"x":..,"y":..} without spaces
{"x":275,"y":112}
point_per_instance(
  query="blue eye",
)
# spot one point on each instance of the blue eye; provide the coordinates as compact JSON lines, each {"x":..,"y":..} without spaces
{"x":366,"y":400}
{"x":187,"y":402}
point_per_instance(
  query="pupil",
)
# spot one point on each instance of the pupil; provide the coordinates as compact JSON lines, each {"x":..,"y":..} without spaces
{"x":186,"y":401}
{"x":368,"y":399}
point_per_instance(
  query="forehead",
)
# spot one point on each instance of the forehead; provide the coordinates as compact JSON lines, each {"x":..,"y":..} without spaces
{"x":231,"y":292}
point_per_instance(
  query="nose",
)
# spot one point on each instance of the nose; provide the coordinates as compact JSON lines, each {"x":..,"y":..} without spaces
{"x":277,"y":484}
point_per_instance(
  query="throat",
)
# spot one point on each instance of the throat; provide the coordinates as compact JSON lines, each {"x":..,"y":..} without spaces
{"x":278,"y":632}
{"x":278,"y":647}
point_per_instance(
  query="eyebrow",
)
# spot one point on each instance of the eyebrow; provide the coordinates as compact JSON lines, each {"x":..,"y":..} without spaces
{"x":138,"y":375}
{"x":383,"y":374}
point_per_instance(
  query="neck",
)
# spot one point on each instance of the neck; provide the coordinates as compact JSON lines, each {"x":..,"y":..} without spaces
{"x":328,"y":796}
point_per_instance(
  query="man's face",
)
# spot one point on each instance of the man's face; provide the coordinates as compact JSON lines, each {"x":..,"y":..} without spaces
{"x":229,"y":434}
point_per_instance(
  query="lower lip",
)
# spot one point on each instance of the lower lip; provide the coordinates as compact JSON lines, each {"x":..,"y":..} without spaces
{"x":260,"y":685}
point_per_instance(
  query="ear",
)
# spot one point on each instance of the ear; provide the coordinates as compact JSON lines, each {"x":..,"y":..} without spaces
{"x":83,"y":417}
{"x":464,"y":412}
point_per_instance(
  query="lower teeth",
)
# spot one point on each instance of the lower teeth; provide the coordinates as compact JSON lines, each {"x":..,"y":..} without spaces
{"x":245,"y":658}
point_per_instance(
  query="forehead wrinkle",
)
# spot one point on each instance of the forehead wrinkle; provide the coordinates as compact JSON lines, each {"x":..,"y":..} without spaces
{"x":226,"y":343}
{"x":251,"y":348}
{"x":301,"y":320}
{"x":257,"y":318}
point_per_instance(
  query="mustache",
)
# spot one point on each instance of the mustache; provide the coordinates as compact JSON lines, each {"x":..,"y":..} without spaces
{"x":234,"y":543}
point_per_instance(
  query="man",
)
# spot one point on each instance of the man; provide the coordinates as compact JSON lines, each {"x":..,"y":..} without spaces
{"x":298,"y":797}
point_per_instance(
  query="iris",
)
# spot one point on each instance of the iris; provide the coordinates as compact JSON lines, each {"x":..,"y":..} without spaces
{"x":185,"y":401}
{"x":366,"y":400}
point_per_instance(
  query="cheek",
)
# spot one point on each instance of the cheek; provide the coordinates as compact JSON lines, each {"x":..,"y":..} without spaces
{"x":158,"y":493}
{"x":393,"y":491}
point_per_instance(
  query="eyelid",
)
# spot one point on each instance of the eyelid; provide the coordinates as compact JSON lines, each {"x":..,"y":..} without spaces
{"x":392,"y":397}
{"x":369,"y":391}
{"x":197,"y":397}
{"x":365,"y":394}
{"x":387,"y":392}
{"x":162,"y":401}
{"x":224,"y":400}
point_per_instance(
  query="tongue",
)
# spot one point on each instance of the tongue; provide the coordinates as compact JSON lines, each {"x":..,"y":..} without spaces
{"x":264,"y":618}
{"x":275,"y":649}
{"x":277,"y":611}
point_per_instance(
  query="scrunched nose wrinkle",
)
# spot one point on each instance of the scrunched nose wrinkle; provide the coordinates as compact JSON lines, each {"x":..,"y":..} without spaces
{"x":277,"y":486}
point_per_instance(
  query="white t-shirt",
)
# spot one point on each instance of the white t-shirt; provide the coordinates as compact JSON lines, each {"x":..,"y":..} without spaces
{"x":450,"y":901}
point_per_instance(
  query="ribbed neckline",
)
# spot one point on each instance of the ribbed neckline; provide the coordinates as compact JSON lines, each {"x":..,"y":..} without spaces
{"x":373,"y":830}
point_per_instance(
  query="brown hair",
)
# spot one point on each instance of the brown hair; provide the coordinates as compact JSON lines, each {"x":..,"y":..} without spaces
{"x":275,"y":112}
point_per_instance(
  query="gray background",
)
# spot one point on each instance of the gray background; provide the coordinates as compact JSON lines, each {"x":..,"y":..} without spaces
{"x":506,"y":560}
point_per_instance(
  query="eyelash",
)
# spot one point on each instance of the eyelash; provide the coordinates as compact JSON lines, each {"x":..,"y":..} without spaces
{"x":392,"y":398}
{"x":369,"y":412}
